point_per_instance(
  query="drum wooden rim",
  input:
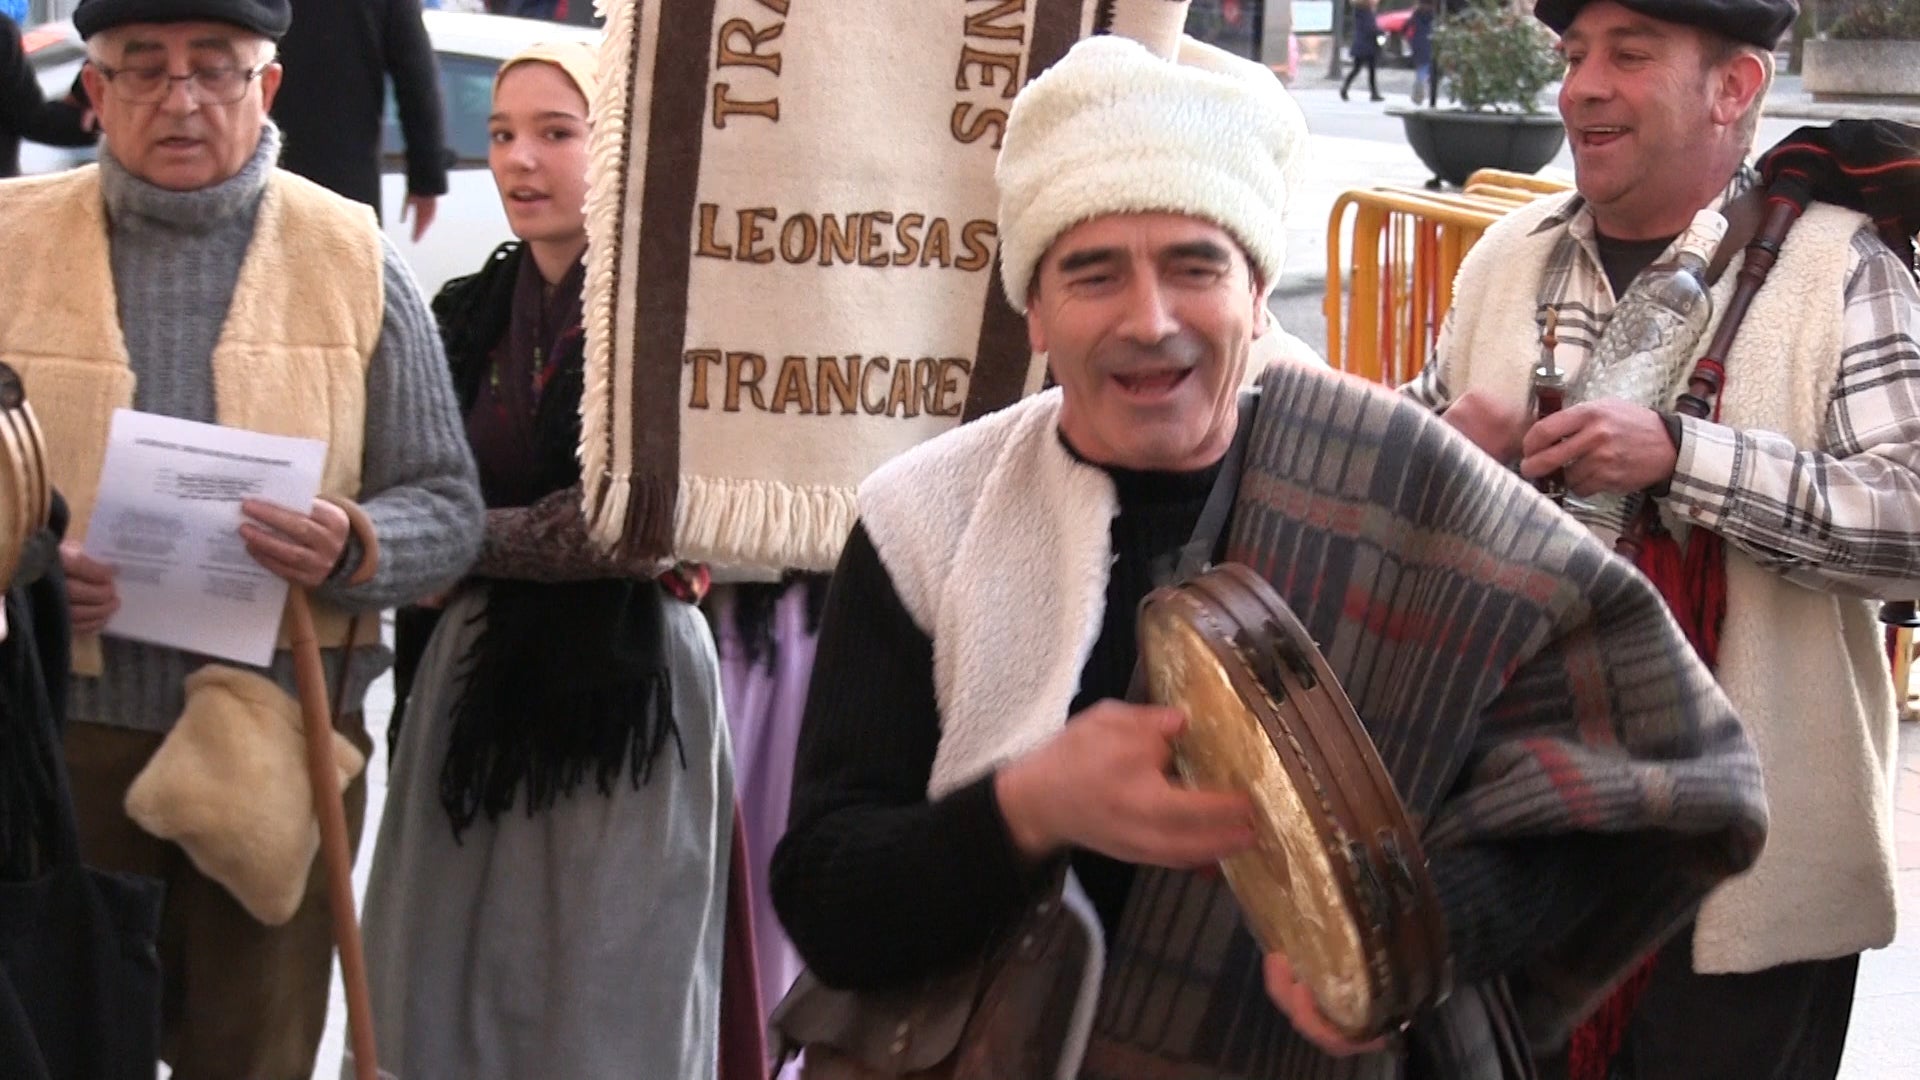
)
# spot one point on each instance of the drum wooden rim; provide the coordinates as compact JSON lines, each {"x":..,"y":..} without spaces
{"x":28,"y":493}
{"x":1323,"y":747}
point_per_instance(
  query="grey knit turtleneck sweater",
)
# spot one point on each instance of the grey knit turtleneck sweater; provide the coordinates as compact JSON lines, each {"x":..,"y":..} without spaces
{"x":175,"y":258}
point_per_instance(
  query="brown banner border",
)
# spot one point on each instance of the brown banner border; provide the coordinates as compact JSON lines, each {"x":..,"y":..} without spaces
{"x":1002,"y":357}
{"x":677,"y":126}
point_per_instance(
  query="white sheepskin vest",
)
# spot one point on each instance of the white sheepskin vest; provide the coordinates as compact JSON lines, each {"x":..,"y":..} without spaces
{"x":997,"y":543}
{"x":1805,"y":669}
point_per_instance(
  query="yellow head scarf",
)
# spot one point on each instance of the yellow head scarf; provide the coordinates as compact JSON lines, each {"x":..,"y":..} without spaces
{"x":579,"y":60}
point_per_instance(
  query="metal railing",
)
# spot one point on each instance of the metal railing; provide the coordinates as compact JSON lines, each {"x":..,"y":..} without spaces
{"x":1388,"y":289}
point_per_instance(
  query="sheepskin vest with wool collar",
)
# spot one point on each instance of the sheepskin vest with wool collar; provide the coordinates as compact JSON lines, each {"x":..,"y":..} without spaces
{"x":292,"y":355}
{"x":1805,"y":669}
{"x":966,"y":526}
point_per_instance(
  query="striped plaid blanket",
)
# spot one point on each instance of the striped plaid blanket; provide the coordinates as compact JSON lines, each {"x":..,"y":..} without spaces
{"x":1519,"y":680}
{"x":791,"y":272}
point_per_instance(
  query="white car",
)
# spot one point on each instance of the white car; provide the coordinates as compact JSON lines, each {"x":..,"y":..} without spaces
{"x":468,"y":223}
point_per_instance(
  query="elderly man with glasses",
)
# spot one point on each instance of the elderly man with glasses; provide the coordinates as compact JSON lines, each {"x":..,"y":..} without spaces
{"x":186,"y":275}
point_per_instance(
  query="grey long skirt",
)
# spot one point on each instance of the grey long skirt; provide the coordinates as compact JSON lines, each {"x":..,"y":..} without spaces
{"x":579,"y":943}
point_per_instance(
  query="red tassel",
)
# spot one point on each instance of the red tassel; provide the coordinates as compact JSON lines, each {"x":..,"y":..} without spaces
{"x":1665,"y":567}
{"x":1590,"y":1052}
{"x":1694,"y":585}
{"x":1706,"y":573}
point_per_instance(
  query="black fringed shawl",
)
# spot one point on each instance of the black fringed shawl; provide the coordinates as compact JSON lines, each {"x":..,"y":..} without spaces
{"x":567,"y":678}
{"x":33,"y":687}
{"x":755,"y":607}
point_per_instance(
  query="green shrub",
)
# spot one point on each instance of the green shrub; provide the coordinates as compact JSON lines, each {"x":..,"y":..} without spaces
{"x":1877,"y":20}
{"x":1495,"y":58}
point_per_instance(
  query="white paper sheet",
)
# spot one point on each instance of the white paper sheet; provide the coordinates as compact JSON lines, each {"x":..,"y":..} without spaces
{"x":168,"y":520}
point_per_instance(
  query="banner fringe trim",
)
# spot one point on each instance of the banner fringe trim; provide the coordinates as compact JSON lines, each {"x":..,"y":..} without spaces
{"x":759,"y":522}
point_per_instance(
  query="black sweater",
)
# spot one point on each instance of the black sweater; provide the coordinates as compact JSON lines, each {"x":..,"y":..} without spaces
{"x":24,"y":112}
{"x":338,"y":54}
{"x":876,"y":886}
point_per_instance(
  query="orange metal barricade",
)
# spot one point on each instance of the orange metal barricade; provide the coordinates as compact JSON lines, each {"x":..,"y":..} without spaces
{"x":1406,"y":248}
{"x":1388,"y":291}
{"x":1900,"y":645}
{"x":1539,"y":185}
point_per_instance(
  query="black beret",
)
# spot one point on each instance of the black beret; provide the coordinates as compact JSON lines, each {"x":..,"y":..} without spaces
{"x":268,"y":18}
{"x":1756,"y":22}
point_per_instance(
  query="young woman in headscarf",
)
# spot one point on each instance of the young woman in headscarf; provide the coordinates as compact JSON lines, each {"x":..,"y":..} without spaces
{"x":549,"y":887}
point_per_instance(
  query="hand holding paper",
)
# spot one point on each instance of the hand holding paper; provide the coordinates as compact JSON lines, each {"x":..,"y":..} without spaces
{"x":90,"y":592}
{"x":191,"y":545}
{"x":302,"y":548}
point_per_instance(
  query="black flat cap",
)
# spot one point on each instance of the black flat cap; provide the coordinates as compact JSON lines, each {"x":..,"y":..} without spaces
{"x":268,"y":18}
{"x":1756,"y":22}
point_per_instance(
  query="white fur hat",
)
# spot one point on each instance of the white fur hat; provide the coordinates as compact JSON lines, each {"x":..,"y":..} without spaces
{"x":1113,"y":129}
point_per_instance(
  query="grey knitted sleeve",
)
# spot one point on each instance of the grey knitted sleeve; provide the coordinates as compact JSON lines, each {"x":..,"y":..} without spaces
{"x":418,"y":481}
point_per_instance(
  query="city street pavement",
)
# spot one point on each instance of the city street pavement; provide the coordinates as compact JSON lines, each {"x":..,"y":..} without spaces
{"x":1885,"y":1041}
{"x":1354,"y":144}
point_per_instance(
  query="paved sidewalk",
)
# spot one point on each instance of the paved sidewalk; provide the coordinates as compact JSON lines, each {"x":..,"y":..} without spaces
{"x":1789,"y":99}
{"x":1884,"y":1043}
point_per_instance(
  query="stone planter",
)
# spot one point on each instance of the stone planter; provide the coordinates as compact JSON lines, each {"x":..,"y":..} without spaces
{"x":1886,"y":72}
{"x":1455,"y":143}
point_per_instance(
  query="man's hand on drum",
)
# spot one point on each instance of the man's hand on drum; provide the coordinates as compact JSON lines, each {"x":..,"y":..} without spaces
{"x":1608,"y":447}
{"x":1103,"y":784}
{"x":1294,"y":998}
{"x":302,"y":548}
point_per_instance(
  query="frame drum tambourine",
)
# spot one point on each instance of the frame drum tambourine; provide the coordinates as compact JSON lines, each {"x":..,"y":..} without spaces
{"x":26,"y":495}
{"x":1337,"y":880}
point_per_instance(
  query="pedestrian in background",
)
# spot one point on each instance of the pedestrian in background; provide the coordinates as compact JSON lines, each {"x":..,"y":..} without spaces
{"x":1420,"y":48}
{"x":338,"y":55}
{"x":1365,"y":48}
{"x":24,"y":112}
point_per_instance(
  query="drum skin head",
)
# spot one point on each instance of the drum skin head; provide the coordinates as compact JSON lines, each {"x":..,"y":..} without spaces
{"x":1287,"y":888}
{"x":1337,"y":880}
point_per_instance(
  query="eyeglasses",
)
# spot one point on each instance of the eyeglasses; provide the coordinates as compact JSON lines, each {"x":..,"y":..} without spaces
{"x":208,"y":86}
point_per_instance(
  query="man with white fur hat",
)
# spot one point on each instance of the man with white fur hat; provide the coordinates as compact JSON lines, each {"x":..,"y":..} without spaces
{"x":965,"y":740}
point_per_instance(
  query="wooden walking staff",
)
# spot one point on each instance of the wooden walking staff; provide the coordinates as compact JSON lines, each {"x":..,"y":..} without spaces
{"x":317,"y":718}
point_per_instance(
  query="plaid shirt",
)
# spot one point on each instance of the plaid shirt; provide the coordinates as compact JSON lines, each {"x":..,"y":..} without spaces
{"x":1843,"y":516}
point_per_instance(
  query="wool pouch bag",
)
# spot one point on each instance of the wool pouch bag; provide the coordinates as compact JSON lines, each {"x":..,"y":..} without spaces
{"x":229,"y":785}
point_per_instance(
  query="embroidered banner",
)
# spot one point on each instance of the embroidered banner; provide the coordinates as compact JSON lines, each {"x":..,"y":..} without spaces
{"x":791,"y":277}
